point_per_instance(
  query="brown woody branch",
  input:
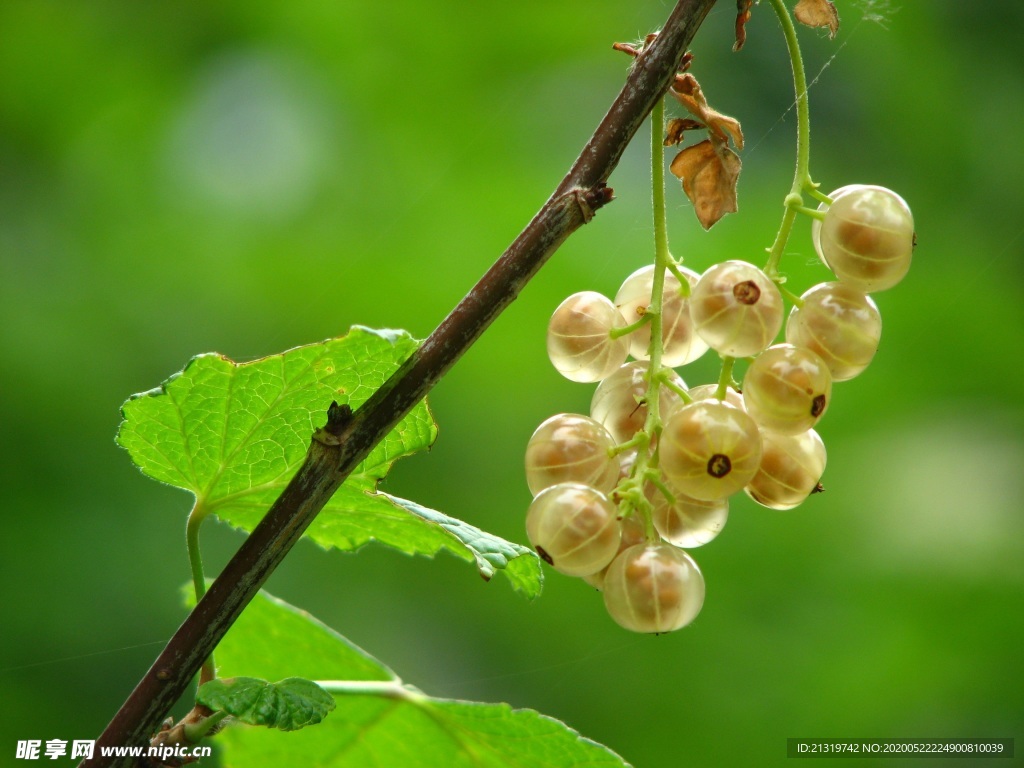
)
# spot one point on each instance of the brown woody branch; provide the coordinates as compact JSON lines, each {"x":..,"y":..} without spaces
{"x":348,"y":438}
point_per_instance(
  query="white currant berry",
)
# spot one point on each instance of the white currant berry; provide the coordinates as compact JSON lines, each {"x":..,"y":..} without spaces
{"x":710,"y":391}
{"x":626,"y":461}
{"x":686,"y":522}
{"x":632,"y":534}
{"x":867,"y":238}
{"x":579,"y":339}
{"x":709,"y":450}
{"x":574,"y":528}
{"x":619,"y":402}
{"x":571,"y":448}
{"x":680,"y":344}
{"x":791,"y":467}
{"x":736,"y":309}
{"x":653,"y":588}
{"x":822,"y":207}
{"x":839,"y":323}
{"x":787,"y":389}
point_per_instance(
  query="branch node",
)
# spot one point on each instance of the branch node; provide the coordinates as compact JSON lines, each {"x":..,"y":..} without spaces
{"x":590,"y":200}
{"x":338,"y":418}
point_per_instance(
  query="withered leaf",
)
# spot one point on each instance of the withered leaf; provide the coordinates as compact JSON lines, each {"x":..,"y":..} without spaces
{"x":742,"y":17}
{"x":688,"y":92}
{"x":709,"y":172}
{"x":677,"y":127}
{"x":818,"y":13}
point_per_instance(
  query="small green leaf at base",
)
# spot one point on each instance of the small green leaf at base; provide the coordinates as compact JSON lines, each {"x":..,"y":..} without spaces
{"x":419,"y":732}
{"x":380,"y":721}
{"x":287,"y":705}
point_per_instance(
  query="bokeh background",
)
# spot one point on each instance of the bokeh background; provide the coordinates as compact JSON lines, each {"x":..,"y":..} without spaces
{"x":177,"y":178}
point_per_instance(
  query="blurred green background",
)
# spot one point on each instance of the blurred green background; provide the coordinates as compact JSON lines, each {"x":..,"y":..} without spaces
{"x":177,"y":178}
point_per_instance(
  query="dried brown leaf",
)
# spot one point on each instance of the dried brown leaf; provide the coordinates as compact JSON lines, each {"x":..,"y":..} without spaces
{"x":676,"y":129}
{"x":688,"y":92}
{"x":742,"y":17}
{"x":709,"y":172}
{"x":818,"y":13}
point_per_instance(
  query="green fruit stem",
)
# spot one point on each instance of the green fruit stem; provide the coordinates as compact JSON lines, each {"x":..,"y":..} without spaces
{"x":631,"y":490}
{"x":667,"y":382}
{"x":618,"y":333}
{"x":793,"y":299}
{"x":662,"y":258}
{"x":725,"y":377}
{"x":195,"y":559}
{"x":801,"y":178}
{"x":820,"y":196}
{"x":684,"y":281}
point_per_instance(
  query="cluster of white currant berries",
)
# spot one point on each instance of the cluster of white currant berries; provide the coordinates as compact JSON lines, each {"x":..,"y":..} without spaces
{"x":618,"y":500}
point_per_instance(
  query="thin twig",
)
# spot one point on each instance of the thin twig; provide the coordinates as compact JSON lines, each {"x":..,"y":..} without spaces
{"x":347,"y":438}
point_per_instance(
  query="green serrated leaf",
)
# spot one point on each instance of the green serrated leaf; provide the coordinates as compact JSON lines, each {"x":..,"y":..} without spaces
{"x":520,"y":564}
{"x":287,"y":705}
{"x":234,"y":433}
{"x":423,"y":732}
{"x":380,"y":721}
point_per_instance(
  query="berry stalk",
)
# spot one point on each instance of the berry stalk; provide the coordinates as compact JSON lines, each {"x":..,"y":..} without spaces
{"x":801,"y":177}
{"x":632,"y":490}
{"x":661,"y":261}
{"x":725,"y":377}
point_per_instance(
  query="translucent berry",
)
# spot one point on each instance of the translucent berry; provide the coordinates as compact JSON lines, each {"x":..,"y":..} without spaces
{"x":574,"y":528}
{"x":687,"y":522}
{"x":632,"y":534}
{"x":681,"y":345}
{"x":570,"y":448}
{"x":867,"y":238}
{"x":791,"y":466}
{"x":736,"y":309}
{"x":579,"y":342}
{"x":839,"y":323}
{"x":619,"y":401}
{"x":706,"y":391}
{"x":787,"y":389}
{"x":626,"y":460}
{"x":653,"y":588}
{"x":822,"y":207}
{"x":709,"y":450}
